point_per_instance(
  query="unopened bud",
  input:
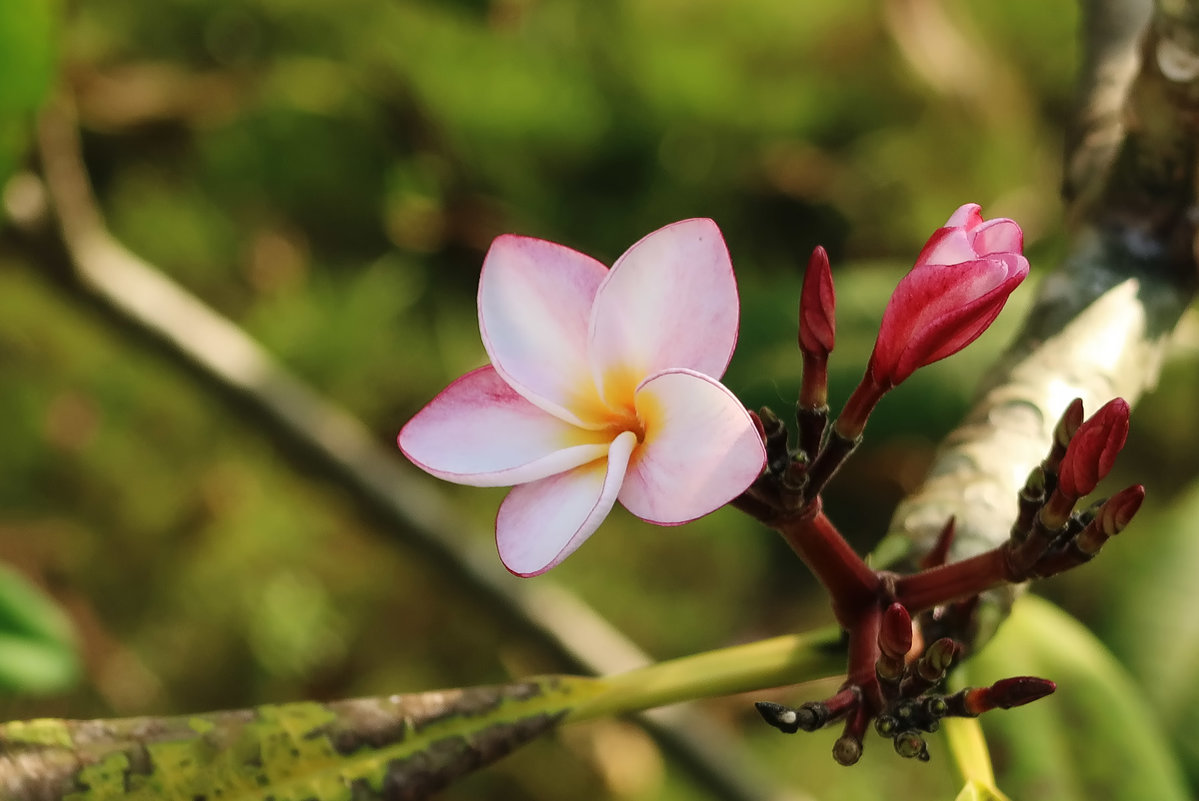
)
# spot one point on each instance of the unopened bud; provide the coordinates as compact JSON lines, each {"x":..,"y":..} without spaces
{"x":1119,"y":510}
{"x":1007,"y":693}
{"x":1094,"y":448}
{"x":817,"y":307}
{"x":895,"y":633}
{"x":938,"y":659}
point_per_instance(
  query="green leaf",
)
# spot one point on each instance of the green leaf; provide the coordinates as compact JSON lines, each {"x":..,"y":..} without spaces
{"x":27,"y":64}
{"x":973,"y":759}
{"x":1152,"y":626}
{"x":1094,"y":738}
{"x":37,"y":645}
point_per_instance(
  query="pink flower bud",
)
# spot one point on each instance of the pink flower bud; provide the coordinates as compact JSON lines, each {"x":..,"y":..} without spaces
{"x":817,"y":304}
{"x":1093,"y":449}
{"x":959,"y":284}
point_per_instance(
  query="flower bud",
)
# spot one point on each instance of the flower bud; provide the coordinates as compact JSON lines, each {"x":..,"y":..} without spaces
{"x":817,"y":306}
{"x":1093,"y":449}
{"x":895,"y":633}
{"x":1115,"y":514}
{"x":1007,"y":693}
{"x":959,"y":284}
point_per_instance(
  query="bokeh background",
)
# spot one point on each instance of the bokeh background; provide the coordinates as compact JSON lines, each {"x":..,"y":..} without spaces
{"x":329,"y":173}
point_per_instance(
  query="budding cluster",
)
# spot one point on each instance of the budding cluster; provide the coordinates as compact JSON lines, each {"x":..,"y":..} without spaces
{"x":1049,"y":536}
{"x":898,"y":659}
{"x":909,"y":705}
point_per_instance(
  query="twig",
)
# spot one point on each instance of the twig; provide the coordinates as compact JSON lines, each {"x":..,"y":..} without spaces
{"x":69,"y":228}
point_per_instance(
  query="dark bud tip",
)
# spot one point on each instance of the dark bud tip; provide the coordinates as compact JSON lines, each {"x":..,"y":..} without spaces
{"x":936,"y":707}
{"x":1020,"y":690}
{"x":783,"y":718}
{"x":909,"y":744}
{"x":1068,"y":425}
{"x":847,"y":750}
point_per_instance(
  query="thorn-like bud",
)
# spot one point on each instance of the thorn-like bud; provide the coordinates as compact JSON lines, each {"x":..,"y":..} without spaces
{"x":939,"y":554}
{"x":1093,"y":449}
{"x":817,"y":307}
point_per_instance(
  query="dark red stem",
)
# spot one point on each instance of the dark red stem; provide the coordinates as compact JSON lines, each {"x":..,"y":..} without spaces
{"x":851,"y":583}
{"x":955,"y":581}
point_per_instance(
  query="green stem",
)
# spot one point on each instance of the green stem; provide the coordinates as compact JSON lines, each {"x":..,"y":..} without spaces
{"x":789,"y":659}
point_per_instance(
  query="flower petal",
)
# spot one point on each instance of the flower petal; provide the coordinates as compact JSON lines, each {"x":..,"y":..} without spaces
{"x":535,"y":300}
{"x":701,"y":449}
{"x":541,"y":523}
{"x":669,"y":301}
{"x":947,"y":246}
{"x":937,"y":310}
{"x":967,"y":216}
{"x":480,"y":432}
{"x":998,"y":236}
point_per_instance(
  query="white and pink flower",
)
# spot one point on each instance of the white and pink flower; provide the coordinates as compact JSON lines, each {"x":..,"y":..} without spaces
{"x":602,"y":387}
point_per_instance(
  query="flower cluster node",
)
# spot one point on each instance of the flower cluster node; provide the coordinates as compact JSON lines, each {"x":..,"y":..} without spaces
{"x":1050,"y":535}
{"x":908,"y":705}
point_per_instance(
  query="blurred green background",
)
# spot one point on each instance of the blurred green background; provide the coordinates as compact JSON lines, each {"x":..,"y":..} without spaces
{"x":329,"y":173}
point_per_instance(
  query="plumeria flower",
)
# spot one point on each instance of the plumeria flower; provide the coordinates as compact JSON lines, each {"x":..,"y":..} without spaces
{"x":602,"y":387}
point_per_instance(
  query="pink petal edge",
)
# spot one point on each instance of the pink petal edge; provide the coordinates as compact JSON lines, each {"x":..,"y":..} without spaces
{"x":479,"y":431}
{"x":701,"y":449}
{"x":540,"y":524}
